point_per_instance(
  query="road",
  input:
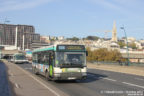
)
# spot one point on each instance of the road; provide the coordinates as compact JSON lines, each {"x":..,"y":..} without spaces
{"x":4,"y":85}
{"x":100,"y":83}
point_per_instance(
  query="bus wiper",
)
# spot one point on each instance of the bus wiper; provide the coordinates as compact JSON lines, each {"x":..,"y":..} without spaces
{"x":66,"y":64}
{"x":76,"y":64}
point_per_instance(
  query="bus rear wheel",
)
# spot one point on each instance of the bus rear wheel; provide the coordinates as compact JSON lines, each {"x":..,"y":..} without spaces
{"x":35,"y":70}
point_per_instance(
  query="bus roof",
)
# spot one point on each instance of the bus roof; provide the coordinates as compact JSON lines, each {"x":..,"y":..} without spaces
{"x":51,"y":47}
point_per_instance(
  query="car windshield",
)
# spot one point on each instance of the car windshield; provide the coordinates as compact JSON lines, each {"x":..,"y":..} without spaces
{"x":70,"y":59}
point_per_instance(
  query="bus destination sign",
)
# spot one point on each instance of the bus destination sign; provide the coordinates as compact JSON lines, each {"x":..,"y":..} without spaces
{"x":71,"y":47}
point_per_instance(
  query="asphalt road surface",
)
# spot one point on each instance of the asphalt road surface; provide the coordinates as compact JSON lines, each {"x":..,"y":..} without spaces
{"x":4,"y":85}
{"x":100,"y":83}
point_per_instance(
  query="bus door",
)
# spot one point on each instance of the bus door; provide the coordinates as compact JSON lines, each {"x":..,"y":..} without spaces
{"x":51,"y":63}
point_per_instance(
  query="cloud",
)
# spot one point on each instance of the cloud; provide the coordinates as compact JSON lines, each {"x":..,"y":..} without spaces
{"x":125,"y":7}
{"x":8,"y":5}
{"x":119,"y":5}
{"x":106,"y":4}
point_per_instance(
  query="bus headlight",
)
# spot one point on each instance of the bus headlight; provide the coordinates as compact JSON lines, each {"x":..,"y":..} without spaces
{"x":57,"y":70}
{"x":57,"y":75}
{"x":84,"y":69}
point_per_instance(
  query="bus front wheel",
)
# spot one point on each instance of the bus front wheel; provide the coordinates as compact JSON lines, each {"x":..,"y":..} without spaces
{"x":47,"y":76}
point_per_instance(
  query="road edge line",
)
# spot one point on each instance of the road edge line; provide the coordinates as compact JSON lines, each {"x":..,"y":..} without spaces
{"x":133,"y":85}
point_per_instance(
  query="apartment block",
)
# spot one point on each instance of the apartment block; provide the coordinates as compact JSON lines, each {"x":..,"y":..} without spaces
{"x":8,"y":35}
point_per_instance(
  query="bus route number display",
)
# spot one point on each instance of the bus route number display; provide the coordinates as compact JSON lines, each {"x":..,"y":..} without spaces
{"x":71,"y":47}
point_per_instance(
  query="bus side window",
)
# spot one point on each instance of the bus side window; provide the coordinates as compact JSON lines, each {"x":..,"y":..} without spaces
{"x":39,"y":58}
{"x":46,"y":59}
{"x":34,"y":58}
{"x":42,"y":58}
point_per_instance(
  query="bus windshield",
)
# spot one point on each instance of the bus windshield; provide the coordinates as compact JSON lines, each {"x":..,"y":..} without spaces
{"x":70,"y":59}
{"x":20,"y":57}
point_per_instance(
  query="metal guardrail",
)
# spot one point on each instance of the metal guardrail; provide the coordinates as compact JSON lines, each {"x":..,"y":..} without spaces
{"x":117,"y":63}
{"x":133,"y":56}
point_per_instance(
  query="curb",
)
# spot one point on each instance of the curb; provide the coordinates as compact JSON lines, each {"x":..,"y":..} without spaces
{"x":121,"y":69}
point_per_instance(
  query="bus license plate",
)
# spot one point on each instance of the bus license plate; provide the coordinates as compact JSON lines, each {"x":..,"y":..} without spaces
{"x":70,"y":78}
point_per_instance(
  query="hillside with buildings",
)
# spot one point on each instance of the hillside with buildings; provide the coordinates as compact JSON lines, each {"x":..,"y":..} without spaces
{"x":22,"y":38}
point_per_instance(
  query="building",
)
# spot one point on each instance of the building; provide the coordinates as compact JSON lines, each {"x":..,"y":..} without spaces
{"x":61,"y":38}
{"x":131,"y":39}
{"x":35,"y":45}
{"x":19,"y":35}
{"x":45,"y":39}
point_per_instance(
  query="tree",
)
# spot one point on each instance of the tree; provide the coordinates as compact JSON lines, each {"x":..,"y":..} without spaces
{"x":132,"y":45}
{"x":91,"y":38}
{"x":90,"y":55}
{"x":104,"y":54}
{"x":121,"y":44}
{"x":73,"y":38}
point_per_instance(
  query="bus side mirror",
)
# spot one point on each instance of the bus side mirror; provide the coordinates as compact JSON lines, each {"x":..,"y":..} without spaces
{"x":86,"y":53}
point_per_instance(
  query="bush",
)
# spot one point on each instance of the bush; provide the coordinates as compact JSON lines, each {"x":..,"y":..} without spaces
{"x":104,"y":54}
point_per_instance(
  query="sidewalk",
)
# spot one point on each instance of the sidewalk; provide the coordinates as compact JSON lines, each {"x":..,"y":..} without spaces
{"x":122,"y":69}
{"x":26,"y":84}
{"x":4,"y":84}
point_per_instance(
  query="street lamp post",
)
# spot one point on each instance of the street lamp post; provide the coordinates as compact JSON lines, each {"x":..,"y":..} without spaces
{"x":123,"y":28}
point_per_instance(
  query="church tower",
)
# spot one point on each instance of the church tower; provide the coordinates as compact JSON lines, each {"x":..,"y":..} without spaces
{"x":114,"y":33}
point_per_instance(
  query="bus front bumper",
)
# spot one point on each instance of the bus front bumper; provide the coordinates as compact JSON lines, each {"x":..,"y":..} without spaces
{"x":70,"y":76}
{"x":21,"y":61}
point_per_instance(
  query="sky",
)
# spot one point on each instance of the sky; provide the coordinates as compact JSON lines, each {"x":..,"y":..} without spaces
{"x":78,"y":18}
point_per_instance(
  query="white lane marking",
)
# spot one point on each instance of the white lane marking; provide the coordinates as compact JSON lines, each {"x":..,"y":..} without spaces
{"x":110,"y":79}
{"x":107,"y":79}
{"x":139,"y":79}
{"x":39,"y":81}
{"x":16,"y":85}
{"x":133,"y":85}
{"x":28,"y":68}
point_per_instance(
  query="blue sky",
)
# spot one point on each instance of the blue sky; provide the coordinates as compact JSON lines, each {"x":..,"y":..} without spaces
{"x":76,"y":17}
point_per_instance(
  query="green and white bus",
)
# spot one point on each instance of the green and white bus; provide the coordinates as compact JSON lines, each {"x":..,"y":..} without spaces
{"x":60,"y":62}
{"x":19,"y":58}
